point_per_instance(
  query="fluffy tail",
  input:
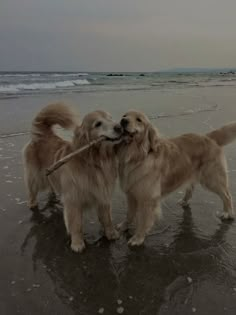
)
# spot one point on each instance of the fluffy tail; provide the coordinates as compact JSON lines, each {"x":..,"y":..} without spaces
{"x":224,"y":135}
{"x":53,"y":114}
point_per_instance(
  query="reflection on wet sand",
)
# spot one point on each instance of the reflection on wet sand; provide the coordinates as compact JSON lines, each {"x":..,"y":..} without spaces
{"x":148,"y":280}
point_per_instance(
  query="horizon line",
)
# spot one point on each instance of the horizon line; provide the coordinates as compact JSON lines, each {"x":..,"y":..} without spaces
{"x":113,"y":71}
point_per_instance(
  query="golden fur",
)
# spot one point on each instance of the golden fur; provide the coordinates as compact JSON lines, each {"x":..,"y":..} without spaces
{"x":87,"y":180}
{"x":151,"y":167}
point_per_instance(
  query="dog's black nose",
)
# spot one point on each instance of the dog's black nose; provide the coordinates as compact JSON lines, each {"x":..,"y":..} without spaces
{"x":118,"y":129}
{"x":124,"y":122}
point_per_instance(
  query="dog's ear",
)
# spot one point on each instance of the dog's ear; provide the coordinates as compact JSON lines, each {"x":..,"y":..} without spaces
{"x":81,"y":136}
{"x":153,"y":138}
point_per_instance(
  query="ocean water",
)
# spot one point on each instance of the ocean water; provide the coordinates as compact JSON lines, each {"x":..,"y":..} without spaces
{"x":28,"y":83}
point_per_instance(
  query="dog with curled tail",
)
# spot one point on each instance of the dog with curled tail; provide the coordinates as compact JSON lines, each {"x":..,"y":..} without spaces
{"x":87,"y":180}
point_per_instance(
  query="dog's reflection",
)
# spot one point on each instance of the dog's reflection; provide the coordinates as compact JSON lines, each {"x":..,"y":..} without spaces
{"x":146,"y":279}
{"x":166,"y":275}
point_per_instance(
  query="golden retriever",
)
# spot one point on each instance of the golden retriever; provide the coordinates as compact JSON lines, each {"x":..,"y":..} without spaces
{"x":151,"y":167}
{"x":87,"y":180}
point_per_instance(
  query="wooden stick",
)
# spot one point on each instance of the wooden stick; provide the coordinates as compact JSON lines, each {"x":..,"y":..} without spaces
{"x":66,"y":158}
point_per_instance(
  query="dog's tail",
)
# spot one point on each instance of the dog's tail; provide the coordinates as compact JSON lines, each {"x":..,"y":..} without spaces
{"x":224,"y":135}
{"x":53,"y":114}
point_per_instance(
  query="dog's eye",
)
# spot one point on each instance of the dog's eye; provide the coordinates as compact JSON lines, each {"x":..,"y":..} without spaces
{"x":98,"y":124}
{"x":124,"y":116}
{"x":139,"y":120}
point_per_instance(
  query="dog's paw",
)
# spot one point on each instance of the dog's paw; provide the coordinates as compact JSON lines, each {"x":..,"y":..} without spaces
{"x":112,"y":234}
{"x":32,"y":205}
{"x":123,"y":226}
{"x":78,"y":246}
{"x":136,"y":240}
{"x":183,"y":203}
{"x":227,"y":216}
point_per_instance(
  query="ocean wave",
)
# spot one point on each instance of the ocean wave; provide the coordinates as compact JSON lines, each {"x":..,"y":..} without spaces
{"x":24,"y":75}
{"x":8,"y":89}
{"x":14,"y":75}
{"x":42,"y":86}
{"x":217,"y":83}
{"x":178,"y":82}
{"x":20,"y":75}
{"x":69,"y":74}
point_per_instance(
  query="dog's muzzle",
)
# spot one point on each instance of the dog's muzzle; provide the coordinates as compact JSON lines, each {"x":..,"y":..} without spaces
{"x":124,"y":122}
{"x":118,"y":129}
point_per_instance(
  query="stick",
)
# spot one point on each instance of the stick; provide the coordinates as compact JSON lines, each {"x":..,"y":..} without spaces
{"x":66,"y":158}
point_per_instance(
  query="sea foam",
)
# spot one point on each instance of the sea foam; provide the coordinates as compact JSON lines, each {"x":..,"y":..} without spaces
{"x":42,"y":86}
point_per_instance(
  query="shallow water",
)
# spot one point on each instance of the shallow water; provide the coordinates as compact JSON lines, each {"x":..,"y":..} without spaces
{"x":187,"y":264}
{"x":17,"y":84}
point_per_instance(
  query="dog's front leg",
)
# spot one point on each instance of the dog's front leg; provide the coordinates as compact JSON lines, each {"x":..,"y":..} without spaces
{"x":145,"y":218}
{"x":131,"y":212}
{"x":73,"y":222}
{"x":104,"y":216}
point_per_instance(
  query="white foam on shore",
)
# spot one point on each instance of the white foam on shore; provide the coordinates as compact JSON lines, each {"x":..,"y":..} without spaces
{"x":42,"y":86}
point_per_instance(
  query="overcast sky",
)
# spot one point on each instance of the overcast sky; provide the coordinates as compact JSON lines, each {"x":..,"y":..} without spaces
{"x":116,"y":35}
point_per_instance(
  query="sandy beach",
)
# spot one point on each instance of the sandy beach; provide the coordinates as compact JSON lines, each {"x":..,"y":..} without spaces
{"x":188,"y":263}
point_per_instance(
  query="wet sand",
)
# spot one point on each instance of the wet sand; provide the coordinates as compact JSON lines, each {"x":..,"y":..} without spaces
{"x":188,"y":263}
